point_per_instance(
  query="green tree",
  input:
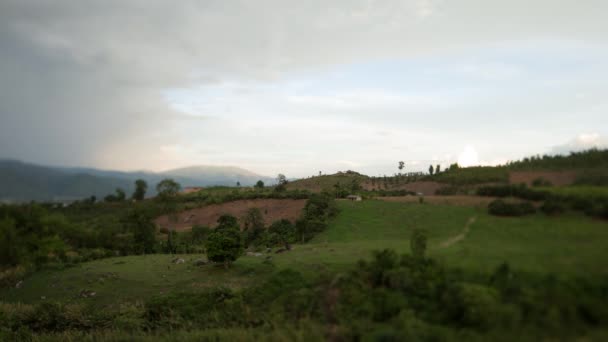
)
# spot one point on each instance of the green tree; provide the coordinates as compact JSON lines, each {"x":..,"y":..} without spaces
{"x":283,"y":232}
{"x":224,"y":244}
{"x":238,"y":184}
{"x":418,"y":243}
{"x":253,"y":223}
{"x":227,"y":221}
{"x":431,"y":169}
{"x":401,"y":165}
{"x":140,"y":224}
{"x":259,"y":184}
{"x":167,"y":189}
{"x":437,"y":169}
{"x":9,"y":243}
{"x":140,"y":190}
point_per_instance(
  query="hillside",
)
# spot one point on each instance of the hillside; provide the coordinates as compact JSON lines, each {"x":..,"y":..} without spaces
{"x":21,"y":181}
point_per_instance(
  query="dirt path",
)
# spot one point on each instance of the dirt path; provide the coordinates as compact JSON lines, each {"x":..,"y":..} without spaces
{"x":467,"y":227}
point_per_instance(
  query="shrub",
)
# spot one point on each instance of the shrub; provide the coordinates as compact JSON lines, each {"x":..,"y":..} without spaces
{"x":502,"y":208}
{"x":541,"y":182}
{"x":224,"y":244}
{"x":552,"y":207}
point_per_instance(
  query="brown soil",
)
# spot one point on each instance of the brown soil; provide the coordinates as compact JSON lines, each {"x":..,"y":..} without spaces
{"x":558,"y":178}
{"x":272,"y":209}
{"x":451,"y":200}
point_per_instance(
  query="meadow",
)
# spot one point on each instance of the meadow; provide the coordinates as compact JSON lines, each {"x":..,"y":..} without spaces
{"x":569,"y":245}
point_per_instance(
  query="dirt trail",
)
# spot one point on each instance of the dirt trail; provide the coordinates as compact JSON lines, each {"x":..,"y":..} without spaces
{"x":467,"y":227}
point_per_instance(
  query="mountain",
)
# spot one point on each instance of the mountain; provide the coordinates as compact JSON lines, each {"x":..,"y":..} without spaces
{"x":21,"y":181}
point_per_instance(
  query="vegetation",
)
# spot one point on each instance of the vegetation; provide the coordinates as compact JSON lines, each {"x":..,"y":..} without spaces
{"x":502,"y":208}
{"x":140,"y":190}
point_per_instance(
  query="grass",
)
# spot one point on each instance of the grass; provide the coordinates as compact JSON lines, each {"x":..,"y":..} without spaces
{"x":569,"y":245}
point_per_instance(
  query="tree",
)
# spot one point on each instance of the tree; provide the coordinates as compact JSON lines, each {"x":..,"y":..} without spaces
{"x":238,"y":184}
{"x":401,"y":165}
{"x":167,"y":189}
{"x":227,"y":221}
{"x":431,"y":169}
{"x":140,"y":224}
{"x":119,"y":196}
{"x":437,"y":169}
{"x":418,"y":243}
{"x":224,"y":244}
{"x":283,"y":231}
{"x":259,"y":184}
{"x":253,"y":223}
{"x":140,"y":190}
{"x":9,"y":242}
{"x":281,"y":182}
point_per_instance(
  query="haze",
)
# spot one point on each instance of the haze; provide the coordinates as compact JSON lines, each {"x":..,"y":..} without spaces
{"x":299,"y":87}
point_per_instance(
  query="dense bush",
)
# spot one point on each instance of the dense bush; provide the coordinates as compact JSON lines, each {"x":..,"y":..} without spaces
{"x":519,"y":191}
{"x":502,"y":208}
{"x":224,"y":244}
{"x":553,"y":207}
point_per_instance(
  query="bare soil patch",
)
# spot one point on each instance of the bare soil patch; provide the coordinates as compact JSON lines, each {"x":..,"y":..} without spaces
{"x":272,"y":210}
{"x":558,"y":178}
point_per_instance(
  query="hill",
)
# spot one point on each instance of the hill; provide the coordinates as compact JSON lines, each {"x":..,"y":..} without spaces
{"x":21,"y":181}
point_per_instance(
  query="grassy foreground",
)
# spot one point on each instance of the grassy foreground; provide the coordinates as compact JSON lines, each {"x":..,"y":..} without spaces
{"x":567,"y":245}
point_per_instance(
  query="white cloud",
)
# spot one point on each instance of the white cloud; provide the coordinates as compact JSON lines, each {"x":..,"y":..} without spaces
{"x":582,"y":142}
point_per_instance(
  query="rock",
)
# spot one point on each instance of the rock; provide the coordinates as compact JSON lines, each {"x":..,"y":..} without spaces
{"x":281,"y":250}
{"x":178,"y":261}
{"x":268,"y":250}
{"x":254,"y":254}
{"x":18,"y":285}
{"x":43,"y":297}
{"x":87,"y":294}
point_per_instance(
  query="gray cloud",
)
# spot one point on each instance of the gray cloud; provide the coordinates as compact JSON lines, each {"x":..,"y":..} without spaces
{"x":82,"y":82}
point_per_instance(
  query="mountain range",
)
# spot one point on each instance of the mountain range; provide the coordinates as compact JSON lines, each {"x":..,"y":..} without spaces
{"x":20,"y":181}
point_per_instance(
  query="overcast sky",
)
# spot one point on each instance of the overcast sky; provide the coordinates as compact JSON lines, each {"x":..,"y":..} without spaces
{"x":300,"y":86}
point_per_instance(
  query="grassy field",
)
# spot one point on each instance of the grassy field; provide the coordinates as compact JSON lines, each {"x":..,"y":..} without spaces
{"x":571,"y":245}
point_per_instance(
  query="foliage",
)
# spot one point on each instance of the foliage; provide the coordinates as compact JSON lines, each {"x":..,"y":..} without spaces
{"x":592,"y":158}
{"x":253,"y":224}
{"x":259,"y":184}
{"x":224,"y":244}
{"x":418,"y":243}
{"x":282,"y":232}
{"x":140,"y":190}
{"x":502,"y":208}
{"x":471,"y":175}
{"x":140,"y":224}
{"x":167,"y":189}
{"x":119,"y":196}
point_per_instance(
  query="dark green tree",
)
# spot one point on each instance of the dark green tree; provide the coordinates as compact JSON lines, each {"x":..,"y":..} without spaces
{"x":437,"y":169}
{"x":9,"y":244}
{"x":418,"y":243}
{"x":253,"y":224}
{"x":224,"y":244}
{"x":283,"y":232}
{"x":140,"y":224}
{"x":401,"y":165}
{"x":167,"y":189}
{"x":140,"y":190}
{"x":259,"y":184}
{"x":431,"y":170}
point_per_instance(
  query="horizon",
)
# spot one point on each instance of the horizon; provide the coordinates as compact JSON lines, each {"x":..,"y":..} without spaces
{"x":289,"y":88}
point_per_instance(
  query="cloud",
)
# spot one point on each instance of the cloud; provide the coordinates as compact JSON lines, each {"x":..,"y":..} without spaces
{"x":582,"y":142}
{"x":85,"y":83}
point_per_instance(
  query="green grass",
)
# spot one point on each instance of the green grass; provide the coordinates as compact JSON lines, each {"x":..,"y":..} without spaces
{"x":567,"y":245}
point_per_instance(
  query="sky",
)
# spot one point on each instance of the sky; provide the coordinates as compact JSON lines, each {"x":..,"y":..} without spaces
{"x":299,"y":87}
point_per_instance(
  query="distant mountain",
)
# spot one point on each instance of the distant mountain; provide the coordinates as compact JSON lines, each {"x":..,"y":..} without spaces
{"x":21,"y":181}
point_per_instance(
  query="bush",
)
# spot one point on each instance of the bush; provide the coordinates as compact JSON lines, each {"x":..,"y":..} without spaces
{"x":552,"y":207}
{"x":225,"y":244}
{"x":502,"y":208}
